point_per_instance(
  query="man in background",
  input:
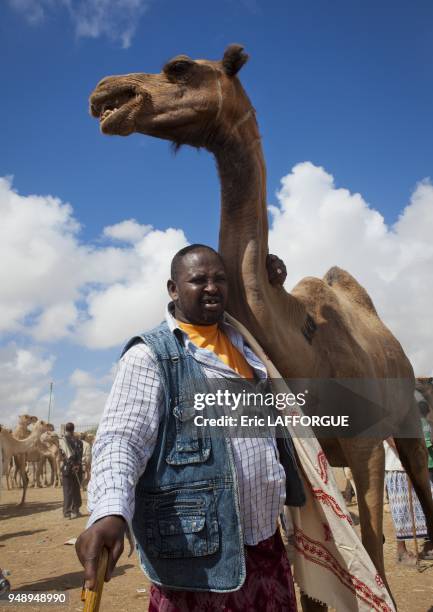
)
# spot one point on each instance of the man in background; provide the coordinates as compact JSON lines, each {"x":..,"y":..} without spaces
{"x":71,"y":451}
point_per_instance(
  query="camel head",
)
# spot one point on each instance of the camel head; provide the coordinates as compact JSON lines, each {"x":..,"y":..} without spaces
{"x":40,"y":427}
{"x":194,"y":102}
{"x":26,"y":419}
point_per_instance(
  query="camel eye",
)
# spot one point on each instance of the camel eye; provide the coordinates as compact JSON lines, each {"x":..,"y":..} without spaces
{"x":178,"y":68}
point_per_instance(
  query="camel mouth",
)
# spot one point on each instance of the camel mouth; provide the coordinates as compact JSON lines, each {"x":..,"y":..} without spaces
{"x":110,"y":108}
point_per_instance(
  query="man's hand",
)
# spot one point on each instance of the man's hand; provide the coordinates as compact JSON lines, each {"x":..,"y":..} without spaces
{"x":276,"y":269}
{"x":109,"y":532}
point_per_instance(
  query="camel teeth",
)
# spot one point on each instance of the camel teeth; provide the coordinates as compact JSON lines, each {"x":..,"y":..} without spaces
{"x":107,"y":113}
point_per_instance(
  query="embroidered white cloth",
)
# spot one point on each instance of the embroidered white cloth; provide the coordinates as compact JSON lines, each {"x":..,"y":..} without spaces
{"x":331,"y":565}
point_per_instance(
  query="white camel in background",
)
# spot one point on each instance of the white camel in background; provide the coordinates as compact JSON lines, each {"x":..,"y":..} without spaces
{"x":10,"y":446}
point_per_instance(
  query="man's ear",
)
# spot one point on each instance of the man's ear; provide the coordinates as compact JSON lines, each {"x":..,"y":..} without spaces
{"x":233,"y":60}
{"x":172,"y":290}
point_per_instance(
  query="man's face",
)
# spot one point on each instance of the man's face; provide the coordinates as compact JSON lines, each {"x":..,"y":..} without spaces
{"x":200,"y":291}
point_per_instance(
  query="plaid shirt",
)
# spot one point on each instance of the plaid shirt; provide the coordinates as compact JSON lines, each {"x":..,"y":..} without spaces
{"x":127,"y":434}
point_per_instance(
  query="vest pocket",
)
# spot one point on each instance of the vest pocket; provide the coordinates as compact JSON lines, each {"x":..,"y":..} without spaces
{"x":189,"y":444}
{"x":181,"y":524}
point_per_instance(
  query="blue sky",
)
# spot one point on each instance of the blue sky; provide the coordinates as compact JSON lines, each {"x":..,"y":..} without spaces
{"x":346,"y":86}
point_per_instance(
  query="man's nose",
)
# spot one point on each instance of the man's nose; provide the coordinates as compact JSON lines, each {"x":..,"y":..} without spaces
{"x":211,"y":286}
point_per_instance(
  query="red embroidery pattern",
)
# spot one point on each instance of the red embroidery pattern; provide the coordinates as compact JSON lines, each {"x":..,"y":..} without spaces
{"x":328,"y":532}
{"x":317,"y":553}
{"x":323,"y":466}
{"x":379,"y":581}
{"x":328,"y":500}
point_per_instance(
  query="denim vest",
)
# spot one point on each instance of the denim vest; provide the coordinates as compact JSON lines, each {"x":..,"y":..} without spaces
{"x":187,"y":518}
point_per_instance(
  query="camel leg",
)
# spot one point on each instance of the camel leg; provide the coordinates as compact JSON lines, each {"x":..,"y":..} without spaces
{"x":348,"y":492}
{"x":16,"y":472}
{"x":51,"y":464}
{"x":9,"y":468}
{"x":366,"y":458}
{"x":413,"y":456}
{"x":25,"y":480}
{"x":20,"y":466}
{"x":350,"y":485}
{"x":39,"y":473}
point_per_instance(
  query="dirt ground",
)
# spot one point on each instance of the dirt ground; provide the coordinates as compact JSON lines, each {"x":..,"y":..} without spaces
{"x":32,"y":548}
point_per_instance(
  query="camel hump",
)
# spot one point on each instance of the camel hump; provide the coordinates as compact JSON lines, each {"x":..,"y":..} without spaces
{"x":340,"y":279}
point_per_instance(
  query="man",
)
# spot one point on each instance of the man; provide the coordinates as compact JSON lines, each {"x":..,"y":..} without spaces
{"x":71,"y":451}
{"x":203,"y":508}
{"x":424,"y":409}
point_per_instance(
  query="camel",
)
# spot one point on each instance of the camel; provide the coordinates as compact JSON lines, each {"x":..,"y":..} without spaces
{"x":6,"y":470}
{"x":87,"y":440}
{"x":20,"y":432}
{"x":10,"y":446}
{"x":325,"y":328}
{"x":49,"y":449}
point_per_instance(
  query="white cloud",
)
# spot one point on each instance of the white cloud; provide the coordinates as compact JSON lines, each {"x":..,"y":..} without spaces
{"x":127,"y":231}
{"x":89,"y":399}
{"x":45,"y":270}
{"x":55,"y":287}
{"x":56,"y":322}
{"x":114,"y":19}
{"x":81,"y":378}
{"x":127,"y":308}
{"x":317,"y":225}
{"x":33,"y":11}
{"x":24,"y":382}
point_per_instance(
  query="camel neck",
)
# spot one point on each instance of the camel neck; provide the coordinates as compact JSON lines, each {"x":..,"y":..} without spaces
{"x":34,"y":435}
{"x":243,"y":239}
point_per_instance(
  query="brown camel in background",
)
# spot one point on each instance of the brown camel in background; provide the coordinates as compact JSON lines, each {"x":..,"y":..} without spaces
{"x":325,"y":328}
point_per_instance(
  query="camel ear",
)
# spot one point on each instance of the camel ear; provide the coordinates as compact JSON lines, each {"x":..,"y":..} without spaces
{"x":233,"y":60}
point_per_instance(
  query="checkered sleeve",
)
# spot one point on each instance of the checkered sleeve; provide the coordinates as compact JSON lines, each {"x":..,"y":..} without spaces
{"x":126,"y":435}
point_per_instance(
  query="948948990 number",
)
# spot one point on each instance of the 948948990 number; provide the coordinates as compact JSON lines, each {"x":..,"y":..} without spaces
{"x":33,"y":597}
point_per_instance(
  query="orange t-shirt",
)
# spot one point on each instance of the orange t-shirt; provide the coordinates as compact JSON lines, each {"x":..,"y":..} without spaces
{"x":212,"y":338}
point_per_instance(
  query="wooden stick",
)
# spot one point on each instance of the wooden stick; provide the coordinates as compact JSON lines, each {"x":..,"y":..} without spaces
{"x":412,"y":516}
{"x":92,"y":599}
